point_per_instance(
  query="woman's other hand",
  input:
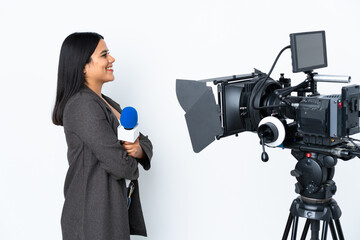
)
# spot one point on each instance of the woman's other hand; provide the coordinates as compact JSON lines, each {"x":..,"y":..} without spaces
{"x":133,"y":149}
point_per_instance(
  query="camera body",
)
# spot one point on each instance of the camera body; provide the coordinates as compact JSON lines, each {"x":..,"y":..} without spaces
{"x":324,"y":120}
{"x":318,"y":119}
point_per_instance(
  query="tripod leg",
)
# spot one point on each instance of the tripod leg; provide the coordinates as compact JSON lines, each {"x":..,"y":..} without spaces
{"x":324,"y":231}
{"x":287,"y":228}
{"x":306,"y":229}
{"x":315,"y":228}
{"x":339,"y":229}
{"x":332,"y":229}
{"x":294,"y":228}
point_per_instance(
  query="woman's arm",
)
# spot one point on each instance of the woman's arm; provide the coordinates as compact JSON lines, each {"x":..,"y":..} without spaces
{"x":141,"y":149}
{"x":85,"y":117}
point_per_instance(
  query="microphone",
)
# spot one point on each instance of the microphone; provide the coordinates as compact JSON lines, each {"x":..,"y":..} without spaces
{"x":128,"y":129}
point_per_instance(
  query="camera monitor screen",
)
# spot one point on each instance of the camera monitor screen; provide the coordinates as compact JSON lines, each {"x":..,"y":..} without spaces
{"x":308,"y":51}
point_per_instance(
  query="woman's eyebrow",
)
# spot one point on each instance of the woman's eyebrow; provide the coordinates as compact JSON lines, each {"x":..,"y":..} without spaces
{"x":104,"y":51}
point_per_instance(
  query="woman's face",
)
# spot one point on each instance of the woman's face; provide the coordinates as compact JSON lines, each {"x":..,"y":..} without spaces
{"x":99,"y":69}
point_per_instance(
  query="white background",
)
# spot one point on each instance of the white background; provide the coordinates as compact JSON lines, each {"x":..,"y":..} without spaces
{"x":224,"y":192}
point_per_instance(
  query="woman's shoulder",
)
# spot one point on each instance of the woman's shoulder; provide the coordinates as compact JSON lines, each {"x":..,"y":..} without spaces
{"x":83,"y":103}
{"x":80,"y":98}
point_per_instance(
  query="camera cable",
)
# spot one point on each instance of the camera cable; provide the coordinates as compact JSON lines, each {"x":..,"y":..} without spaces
{"x":266,"y":78}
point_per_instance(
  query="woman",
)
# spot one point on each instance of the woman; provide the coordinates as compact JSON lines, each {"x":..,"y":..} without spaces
{"x":96,"y":204}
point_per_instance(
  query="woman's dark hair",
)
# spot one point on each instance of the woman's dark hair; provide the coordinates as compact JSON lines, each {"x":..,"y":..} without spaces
{"x":75,"y":53}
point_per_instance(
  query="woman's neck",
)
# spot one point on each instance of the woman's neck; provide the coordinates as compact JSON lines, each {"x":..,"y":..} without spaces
{"x":96,"y":88}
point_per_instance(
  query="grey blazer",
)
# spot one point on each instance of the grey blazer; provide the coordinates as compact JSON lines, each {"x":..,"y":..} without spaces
{"x":95,"y":206}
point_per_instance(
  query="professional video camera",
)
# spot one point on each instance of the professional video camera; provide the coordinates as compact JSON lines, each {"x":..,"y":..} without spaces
{"x":316,"y":127}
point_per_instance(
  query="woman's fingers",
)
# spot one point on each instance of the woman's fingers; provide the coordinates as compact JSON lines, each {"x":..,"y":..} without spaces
{"x":132,"y":149}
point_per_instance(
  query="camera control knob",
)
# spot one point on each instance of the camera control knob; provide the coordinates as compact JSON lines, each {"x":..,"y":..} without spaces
{"x":298,"y":188}
{"x":333,"y":189}
{"x":312,"y":188}
{"x":329,"y":161}
{"x":296,"y":173}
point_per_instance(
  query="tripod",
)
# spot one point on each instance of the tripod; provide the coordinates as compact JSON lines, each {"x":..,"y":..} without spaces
{"x":314,"y":173}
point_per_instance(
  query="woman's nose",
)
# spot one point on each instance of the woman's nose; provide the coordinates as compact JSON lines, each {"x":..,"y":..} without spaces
{"x":111,"y":59}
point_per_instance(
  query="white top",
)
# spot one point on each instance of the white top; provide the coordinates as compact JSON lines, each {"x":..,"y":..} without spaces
{"x":127,"y":181}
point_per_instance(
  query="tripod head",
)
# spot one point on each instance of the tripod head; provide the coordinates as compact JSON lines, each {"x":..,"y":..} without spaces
{"x":314,"y":173}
